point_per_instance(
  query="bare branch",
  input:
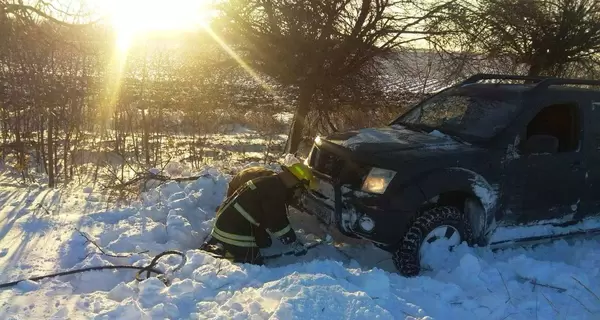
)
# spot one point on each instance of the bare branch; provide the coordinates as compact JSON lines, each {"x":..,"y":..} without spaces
{"x":90,"y":240}
{"x":16,"y":9}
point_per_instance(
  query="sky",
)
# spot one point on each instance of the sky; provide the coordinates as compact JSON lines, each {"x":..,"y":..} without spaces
{"x":136,"y":15}
{"x":155,"y":14}
{"x":132,"y":17}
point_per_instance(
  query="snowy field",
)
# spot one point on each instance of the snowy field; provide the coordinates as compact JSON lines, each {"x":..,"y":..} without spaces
{"x":42,"y":231}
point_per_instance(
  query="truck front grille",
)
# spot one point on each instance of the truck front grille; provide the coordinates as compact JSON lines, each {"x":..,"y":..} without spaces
{"x":332,"y":165}
{"x":324,"y":161}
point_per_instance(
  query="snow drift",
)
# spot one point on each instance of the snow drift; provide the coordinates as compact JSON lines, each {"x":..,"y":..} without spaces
{"x":555,"y":281}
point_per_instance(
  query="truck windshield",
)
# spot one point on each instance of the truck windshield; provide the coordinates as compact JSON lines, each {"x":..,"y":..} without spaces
{"x":465,"y":116}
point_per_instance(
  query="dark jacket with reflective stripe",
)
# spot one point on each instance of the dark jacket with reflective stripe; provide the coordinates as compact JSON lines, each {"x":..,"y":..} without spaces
{"x":260,"y":204}
{"x":246,"y":175}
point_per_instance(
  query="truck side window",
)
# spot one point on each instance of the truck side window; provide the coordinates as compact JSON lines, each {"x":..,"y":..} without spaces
{"x":560,"y":122}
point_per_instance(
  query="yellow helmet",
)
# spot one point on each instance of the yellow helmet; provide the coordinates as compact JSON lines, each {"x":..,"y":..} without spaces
{"x":304,"y":174}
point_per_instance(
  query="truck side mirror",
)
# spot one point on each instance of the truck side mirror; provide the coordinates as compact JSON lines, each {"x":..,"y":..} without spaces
{"x":541,"y":143}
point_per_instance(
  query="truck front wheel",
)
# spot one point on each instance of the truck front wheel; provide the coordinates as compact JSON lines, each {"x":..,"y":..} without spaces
{"x":444,"y":226}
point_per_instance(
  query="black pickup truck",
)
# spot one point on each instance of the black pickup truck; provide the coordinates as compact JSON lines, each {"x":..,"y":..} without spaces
{"x":492,"y":150}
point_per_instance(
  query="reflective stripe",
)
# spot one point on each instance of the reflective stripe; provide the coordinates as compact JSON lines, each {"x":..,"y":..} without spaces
{"x":245,"y":214}
{"x":233,"y":236}
{"x":235,"y":195}
{"x":246,"y":244}
{"x":226,"y":206}
{"x":282,"y":231}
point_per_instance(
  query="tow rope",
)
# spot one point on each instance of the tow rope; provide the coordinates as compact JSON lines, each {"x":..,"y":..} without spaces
{"x":292,"y":252}
{"x":273,"y":256}
{"x":150,"y":268}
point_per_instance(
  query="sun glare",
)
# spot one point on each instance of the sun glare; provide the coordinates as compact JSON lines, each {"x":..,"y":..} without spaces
{"x":133,"y":17}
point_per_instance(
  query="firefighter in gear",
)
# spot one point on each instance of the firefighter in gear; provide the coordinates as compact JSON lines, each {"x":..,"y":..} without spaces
{"x":243,"y":177}
{"x":246,"y":175}
{"x":240,"y":230}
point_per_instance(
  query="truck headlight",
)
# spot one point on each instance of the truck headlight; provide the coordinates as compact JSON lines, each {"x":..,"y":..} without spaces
{"x":378,"y":180}
{"x":318,"y":140}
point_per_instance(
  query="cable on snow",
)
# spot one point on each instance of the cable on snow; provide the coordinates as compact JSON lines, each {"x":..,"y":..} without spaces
{"x":150,"y":268}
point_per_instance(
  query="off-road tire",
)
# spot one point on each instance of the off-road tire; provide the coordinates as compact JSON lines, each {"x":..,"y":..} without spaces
{"x":406,"y":258}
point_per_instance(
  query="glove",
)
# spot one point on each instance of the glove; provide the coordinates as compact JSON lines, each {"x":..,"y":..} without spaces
{"x":299,"y":249}
{"x":263,"y":239}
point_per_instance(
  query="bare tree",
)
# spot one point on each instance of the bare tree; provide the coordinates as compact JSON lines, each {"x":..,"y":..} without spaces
{"x":311,"y":45}
{"x":549,"y":37}
{"x":46,"y":10}
{"x":64,"y":105}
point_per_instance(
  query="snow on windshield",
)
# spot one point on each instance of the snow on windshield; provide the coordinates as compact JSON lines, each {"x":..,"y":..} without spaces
{"x":462,"y":114}
{"x":375,"y":135}
{"x":390,"y":135}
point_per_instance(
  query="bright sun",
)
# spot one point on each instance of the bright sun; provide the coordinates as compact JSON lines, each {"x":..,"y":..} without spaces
{"x":133,"y":17}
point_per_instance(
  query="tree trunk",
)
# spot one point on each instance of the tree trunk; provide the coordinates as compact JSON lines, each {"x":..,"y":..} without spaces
{"x":55,"y":148}
{"x":42,"y":146}
{"x":67,"y":147}
{"x":297,"y":127}
{"x":145,"y":137}
{"x":5,"y":127}
{"x":117,"y":130}
{"x":50,"y":155}
{"x":534,"y":69}
{"x":38,"y":151}
{"x":21,"y":161}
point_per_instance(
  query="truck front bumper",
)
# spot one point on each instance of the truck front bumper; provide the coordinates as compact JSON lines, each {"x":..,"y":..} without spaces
{"x":342,"y":210}
{"x":339,"y":203}
{"x":325,"y":204}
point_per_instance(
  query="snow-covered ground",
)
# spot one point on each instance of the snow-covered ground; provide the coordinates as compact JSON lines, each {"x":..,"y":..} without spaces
{"x":40,"y":233}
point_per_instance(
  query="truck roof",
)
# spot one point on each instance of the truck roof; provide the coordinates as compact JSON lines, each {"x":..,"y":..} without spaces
{"x":483,"y":80}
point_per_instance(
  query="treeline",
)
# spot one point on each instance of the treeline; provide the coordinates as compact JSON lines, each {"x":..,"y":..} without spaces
{"x":66,"y":87}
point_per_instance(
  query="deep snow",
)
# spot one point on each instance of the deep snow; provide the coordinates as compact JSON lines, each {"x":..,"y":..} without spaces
{"x":559,"y":280}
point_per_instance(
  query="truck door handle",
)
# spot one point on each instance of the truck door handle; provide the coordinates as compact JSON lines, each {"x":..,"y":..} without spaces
{"x":576,"y":165}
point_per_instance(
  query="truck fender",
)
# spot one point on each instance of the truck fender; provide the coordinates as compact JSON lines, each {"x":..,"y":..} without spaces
{"x":481,"y":213}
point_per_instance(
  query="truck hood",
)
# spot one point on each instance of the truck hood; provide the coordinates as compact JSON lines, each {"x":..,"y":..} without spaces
{"x":393,"y":139}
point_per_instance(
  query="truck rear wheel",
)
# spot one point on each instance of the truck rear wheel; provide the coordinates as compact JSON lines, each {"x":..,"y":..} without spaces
{"x":446,"y":226}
